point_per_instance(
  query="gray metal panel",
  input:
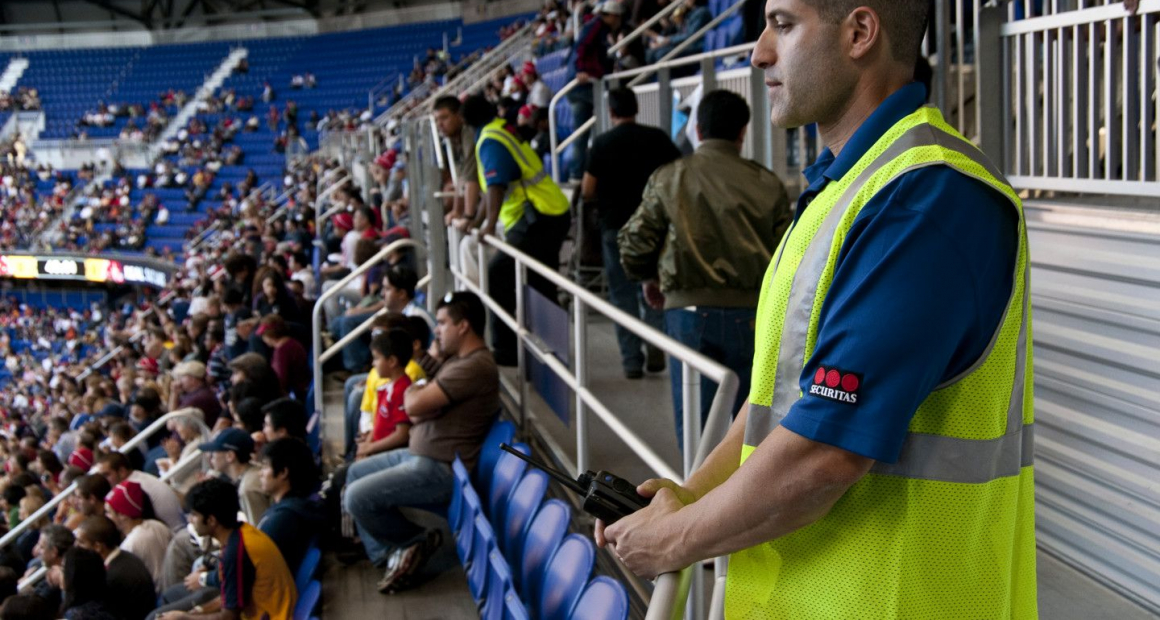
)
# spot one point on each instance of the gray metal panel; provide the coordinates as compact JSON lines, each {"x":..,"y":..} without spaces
{"x":1096,"y":294}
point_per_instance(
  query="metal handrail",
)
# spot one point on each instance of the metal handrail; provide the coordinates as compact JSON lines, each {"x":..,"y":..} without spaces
{"x":179,"y":468}
{"x":138,"y":439}
{"x":672,"y":588}
{"x":694,"y":38}
{"x":641,"y":73}
{"x":365,"y":326}
{"x":316,"y":315}
{"x":641,"y":29}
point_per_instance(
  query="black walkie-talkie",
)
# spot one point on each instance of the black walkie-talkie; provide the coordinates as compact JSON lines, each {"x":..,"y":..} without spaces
{"x":606,"y":497}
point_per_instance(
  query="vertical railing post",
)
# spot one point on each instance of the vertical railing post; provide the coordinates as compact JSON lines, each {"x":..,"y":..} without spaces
{"x":942,"y":20}
{"x":665,"y":100}
{"x":599,"y":110}
{"x":580,"y":331}
{"x":989,"y":86}
{"x":763,"y":132}
{"x":521,"y":350}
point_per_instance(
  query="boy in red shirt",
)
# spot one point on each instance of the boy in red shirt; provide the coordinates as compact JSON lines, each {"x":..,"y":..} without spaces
{"x":390,"y":353}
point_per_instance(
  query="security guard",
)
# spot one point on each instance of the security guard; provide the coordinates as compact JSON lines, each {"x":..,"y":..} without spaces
{"x":882,"y":466}
{"x":531,"y":207}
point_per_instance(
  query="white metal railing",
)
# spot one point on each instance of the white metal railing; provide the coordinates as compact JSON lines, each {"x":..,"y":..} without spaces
{"x":138,"y":439}
{"x":316,"y":316}
{"x":1080,"y":88}
{"x":671,"y":589}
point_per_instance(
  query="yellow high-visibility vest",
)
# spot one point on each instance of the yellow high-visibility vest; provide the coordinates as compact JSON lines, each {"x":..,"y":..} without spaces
{"x":949,"y":530}
{"x":534,"y":186}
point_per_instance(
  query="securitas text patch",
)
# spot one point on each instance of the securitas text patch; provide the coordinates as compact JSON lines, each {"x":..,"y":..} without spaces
{"x":836,"y":385}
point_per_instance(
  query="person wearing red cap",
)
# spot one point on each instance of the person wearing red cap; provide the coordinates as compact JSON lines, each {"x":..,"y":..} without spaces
{"x":82,"y":457}
{"x":539,"y":95}
{"x":145,"y":537}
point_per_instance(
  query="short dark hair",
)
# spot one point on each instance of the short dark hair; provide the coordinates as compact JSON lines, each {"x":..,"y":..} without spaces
{"x":403,"y":278}
{"x":215,"y":498}
{"x":94,"y":485}
{"x":26,"y":607}
{"x":58,"y":537}
{"x":622,"y":102}
{"x":8,"y":584}
{"x":396,"y":343}
{"x":465,"y":306}
{"x":447,"y":102}
{"x":289,"y":414}
{"x":722,"y":115}
{"x":477,"y":111}
{"x":293,"y":456}
{"x":419,"y":329}
{"x":122,"y":430}
{"x":13,"y":493}
{"x":116,"y":461}
{"x":250,"y":414}
{"x":50,"y":461}
{"x":236,"y":263}
{"x":905,"y":21}
{"x":101,"y":529}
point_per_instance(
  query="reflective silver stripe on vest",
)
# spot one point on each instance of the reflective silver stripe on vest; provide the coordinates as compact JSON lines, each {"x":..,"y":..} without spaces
{"x":915,"y":461}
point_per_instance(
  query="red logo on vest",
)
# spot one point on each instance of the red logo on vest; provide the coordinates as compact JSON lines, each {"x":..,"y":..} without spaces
{"x":836,"y":385}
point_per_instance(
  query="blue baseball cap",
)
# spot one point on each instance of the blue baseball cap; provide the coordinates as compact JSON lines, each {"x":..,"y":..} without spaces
{"x":230,"y":440}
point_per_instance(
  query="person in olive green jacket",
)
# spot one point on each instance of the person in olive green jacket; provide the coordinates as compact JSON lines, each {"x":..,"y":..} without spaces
{"x":701,"y":240}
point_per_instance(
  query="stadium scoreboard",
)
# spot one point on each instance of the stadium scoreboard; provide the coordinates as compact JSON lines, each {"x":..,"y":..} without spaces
{"x":119,"y":270}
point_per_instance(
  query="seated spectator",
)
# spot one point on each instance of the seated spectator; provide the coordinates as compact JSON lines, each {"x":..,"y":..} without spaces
{"x":55,"y":541}
{"x":190,"y":389}
{"x":398,"y":295}
{"x":229,"y":455}
{"x":145,"y":537}
{"x":255,"y":580}
{"x":255,"y":370}
{"x":360,"y":390}
{"x":8,"y":582}
{"x":26,"y":542}
{"x":390,"y":428}
{"x":115,"y":469}
{"x":289,"y":359}
{"x":289,"y":477}
{"x":119,"y":435}
{"x":129,"y":586}
{"x":83,"y":587}
{"x":285,"y":418}
{"x":237,"y":327}
{"x":450,"y":416}
{"x":181,"y":443}
{"x":10,"y":502}
{"x":421,"y":335}
{"x":89,"y":498}
{"x":696,"y":16}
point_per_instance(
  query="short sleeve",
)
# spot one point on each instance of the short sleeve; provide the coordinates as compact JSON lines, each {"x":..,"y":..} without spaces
{"x":237,"y":574}
{"x":921,"y":285}
{"x":499,"y":168}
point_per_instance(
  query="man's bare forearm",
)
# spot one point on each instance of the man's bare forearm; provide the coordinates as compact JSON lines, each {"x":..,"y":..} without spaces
{"x":787,"y":483}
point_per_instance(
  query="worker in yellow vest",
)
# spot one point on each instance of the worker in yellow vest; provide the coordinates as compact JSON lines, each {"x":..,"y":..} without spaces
{"x":882,"y":467}
{"x":526,"y":201}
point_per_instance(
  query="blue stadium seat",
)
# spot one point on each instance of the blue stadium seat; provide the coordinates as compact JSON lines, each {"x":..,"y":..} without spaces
{"x":603,"y":599}
{"x":565,"y":577}
{"x":513,"y":608}
{"x":523,"y":503}
{"x":542,"y":539}
{"x":465,"y":534}
{"x":481,"y":548}
{"x":307,"y":567}
{"x":501,"y":431}
{"x":499,"y":583}
{"x":508,"y":471}
{"x":307,"y":600}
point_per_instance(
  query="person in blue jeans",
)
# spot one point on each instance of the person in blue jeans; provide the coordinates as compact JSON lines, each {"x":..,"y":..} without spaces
{"x":450,"y":418}
{"x":701,"y":241}
{"x":620,"y":163}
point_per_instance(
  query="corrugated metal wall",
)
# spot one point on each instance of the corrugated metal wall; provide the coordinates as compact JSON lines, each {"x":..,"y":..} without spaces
{"x":1096,"y":296}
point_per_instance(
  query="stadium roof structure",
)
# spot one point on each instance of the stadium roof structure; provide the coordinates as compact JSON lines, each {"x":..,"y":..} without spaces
{"x":62,"y":16}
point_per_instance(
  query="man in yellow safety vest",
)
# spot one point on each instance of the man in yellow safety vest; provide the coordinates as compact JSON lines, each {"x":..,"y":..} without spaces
{"x":882,"y":467}
{"x":524,"y":198}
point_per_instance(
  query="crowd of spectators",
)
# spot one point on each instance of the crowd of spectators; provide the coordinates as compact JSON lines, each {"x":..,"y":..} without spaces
{"x":23,"y":100}
{"x":25,"y":210}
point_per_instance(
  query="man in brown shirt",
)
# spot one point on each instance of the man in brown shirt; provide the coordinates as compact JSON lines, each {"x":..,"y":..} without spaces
{"x":451,"y":415}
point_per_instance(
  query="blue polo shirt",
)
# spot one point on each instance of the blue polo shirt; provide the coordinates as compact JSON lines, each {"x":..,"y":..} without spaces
{"x":499,"y":167}
{"x":920,"y":287}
